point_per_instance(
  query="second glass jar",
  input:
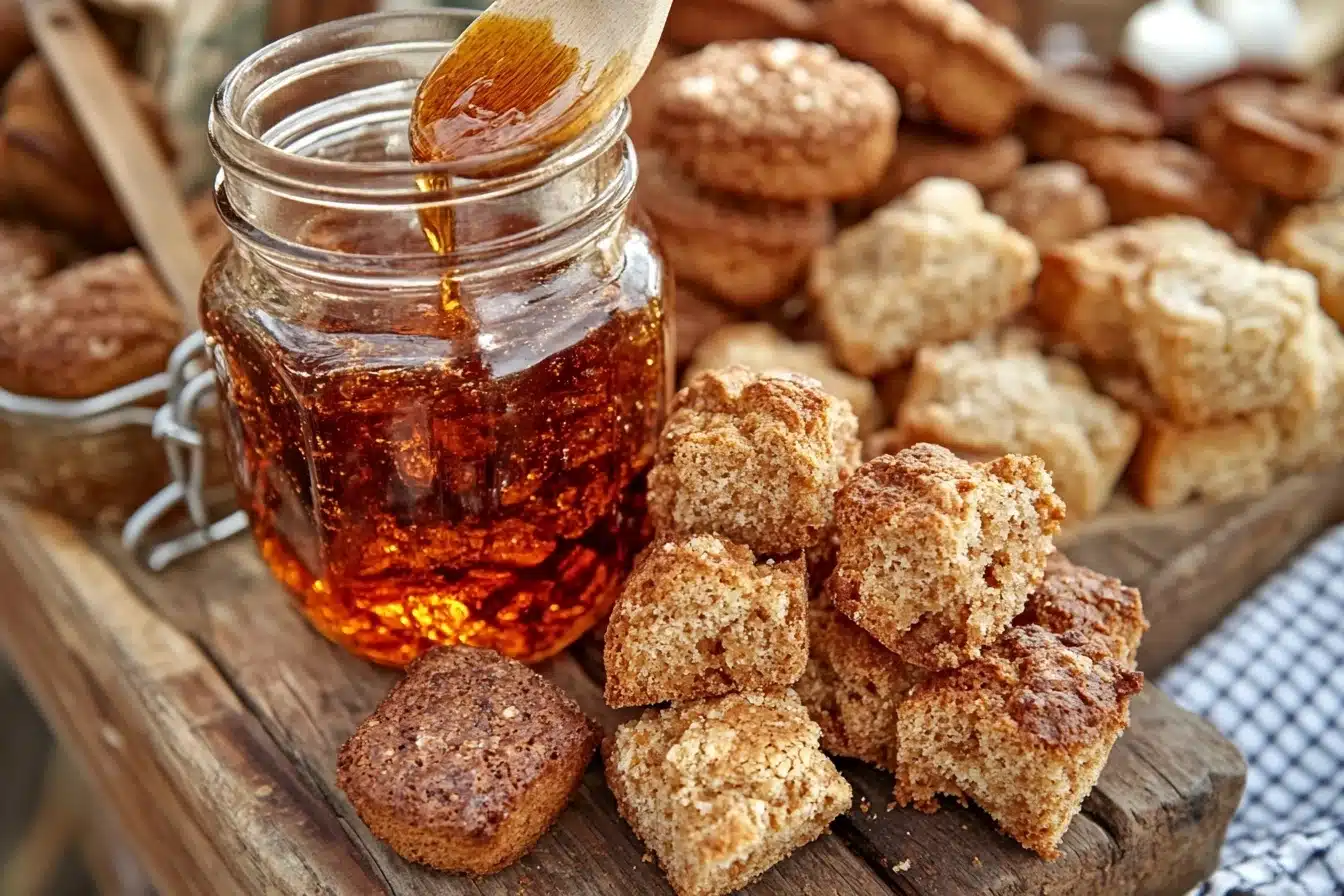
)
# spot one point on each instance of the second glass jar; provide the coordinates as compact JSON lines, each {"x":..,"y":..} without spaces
{"x":431,"y":448}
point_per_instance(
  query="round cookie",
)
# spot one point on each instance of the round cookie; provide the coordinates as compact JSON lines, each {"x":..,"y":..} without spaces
{"x":748,"y":252}
{"x":694,"y":23}
{"x":780,"y":119}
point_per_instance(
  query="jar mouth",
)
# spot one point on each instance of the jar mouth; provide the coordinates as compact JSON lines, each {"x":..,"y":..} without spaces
{"x":375,"y":61}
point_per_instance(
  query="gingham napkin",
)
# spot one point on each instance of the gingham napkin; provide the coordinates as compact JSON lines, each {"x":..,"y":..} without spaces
{"x":1271,"y":678}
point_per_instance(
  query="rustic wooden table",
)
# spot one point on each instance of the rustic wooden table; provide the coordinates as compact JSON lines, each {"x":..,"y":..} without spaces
{"x":208,"y":715}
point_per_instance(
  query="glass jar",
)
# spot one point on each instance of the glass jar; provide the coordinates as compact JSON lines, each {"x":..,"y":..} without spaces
{"x":431,"y":448}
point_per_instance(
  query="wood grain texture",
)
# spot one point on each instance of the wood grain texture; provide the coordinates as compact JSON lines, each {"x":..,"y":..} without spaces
{"x":1194,"y":564}
{"x":227,"y":711}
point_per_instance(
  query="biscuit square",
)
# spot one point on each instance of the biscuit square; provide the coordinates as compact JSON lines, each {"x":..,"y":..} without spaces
{"x":1000,"y":395}
{"x":1175,"y":462}
{"x":912,"y":274}
{"x":1082,"y":295}
{"x":853,"y":687}
{"x":1288,"y":139}
{"x":1311,"y":238}
{"x":721,"y":790}
{"x":937,"y":555}
{"x":1091,"y":612}
{"x":972,"y":73}
{"x":759,"y":346}
{"x":1157,"y":178}
{"x":1221,"y":335}
{"x":1024,"y":731}
{"x":754,"y":458}
{"x":699,"y":617}
{"x":1051,"y":203}
{"x":467,"y":761}
{"x":1311,"y":431}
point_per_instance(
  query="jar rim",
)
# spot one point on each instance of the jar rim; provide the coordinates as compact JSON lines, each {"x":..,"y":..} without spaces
{"x":239,"y":147}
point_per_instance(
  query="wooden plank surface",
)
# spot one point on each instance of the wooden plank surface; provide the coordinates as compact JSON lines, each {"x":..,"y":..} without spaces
{"x":209,"y":712}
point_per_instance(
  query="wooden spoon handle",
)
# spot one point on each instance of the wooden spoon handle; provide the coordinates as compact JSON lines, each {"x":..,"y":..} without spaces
{"x":130,"y":159}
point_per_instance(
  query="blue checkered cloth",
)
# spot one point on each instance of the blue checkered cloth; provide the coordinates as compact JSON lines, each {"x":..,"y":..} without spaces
{"x":1271,"y":678}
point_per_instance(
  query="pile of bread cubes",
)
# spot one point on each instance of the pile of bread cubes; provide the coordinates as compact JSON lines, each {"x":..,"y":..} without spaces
{"x":908,"y":611}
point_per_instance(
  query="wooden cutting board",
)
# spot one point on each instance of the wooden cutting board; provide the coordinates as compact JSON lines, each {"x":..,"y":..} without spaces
{"x":208,"y":714}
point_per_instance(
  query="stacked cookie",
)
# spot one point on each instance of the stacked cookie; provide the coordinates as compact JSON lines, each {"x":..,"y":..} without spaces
{"x":731,"y":778}
{"x":751,"y":143}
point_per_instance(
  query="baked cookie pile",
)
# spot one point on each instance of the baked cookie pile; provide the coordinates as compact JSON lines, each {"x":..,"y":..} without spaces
{"x":934,"y":593}
{"x":1048,"y":264}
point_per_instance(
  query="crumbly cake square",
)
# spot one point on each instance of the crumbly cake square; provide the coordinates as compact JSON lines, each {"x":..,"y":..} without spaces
{"x":1082,"y":294}
{"x":1311,"y":432}
{"x":752,"y":457}
{"x":467,"y":761}
{"x":721,"y":790}
{"x":936,"y":555}
{"x":971,"y":72}
{"x":1091,"y":612}
{"x":1311,"y":238}
{"x":1218,"y":335}
{"x":699,"y":617}
{"x":1175,"y":462}
{"x":911,"y":275}
{"x":1024,"y":731}
{"x":758,"y":346}
{"x":1000,"y":395}
{"x":853,"y":687}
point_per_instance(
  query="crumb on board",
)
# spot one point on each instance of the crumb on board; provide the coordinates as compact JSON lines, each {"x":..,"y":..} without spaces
{"x":902,"y":866}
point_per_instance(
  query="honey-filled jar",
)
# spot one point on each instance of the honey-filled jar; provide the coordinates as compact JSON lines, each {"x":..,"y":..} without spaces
{"x":432,"y":446}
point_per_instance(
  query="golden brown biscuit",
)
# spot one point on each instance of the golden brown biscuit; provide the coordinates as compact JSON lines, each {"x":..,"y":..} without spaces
{"x":1311,"y":238}
{"x":1000,"y":395}
{"x":1082,"y":294}
{"x":1025,"y":732}
{"x":721,"y":790}
{"x":853,"y":687}
{"x":28,"y":254}
{"x":1288,"y":140}
{"x":910,"y":275}
{"x":694,"y":23}
{"x":924,"y":152}
{"x":1174,"y":463}
{"x":759,"y":346}
{"x":944,"y":54}
{"x":1218,"y":335}
{"x":1154,"y":179}
{"x":1091,"y":612}
{"x":50,"y":169}
{"x":780,"y":119}
{"x":467,"y":761}
{"x":733,"y":439}
{"x":699,"y":617}
{"x":1311,"y":424}
{"x":88,"y":329}
{"x":936,"y":555}
{"x":748,"y":252}
{"x":1069,"y":108}
{"x":1052,"y":203}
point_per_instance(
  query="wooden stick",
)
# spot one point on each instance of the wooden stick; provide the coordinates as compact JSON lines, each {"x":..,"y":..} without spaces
{"x":94,"y":86}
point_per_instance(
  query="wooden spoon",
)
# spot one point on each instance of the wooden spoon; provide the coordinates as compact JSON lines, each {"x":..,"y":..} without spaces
{"x":127,"y":154}
{"x":530,"y":75}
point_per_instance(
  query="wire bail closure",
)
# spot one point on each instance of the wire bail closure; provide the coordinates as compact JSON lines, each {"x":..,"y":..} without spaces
{"x":190,"y":389}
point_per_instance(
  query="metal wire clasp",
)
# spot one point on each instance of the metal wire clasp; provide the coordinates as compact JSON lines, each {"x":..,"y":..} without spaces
{"x":190,"y":389}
